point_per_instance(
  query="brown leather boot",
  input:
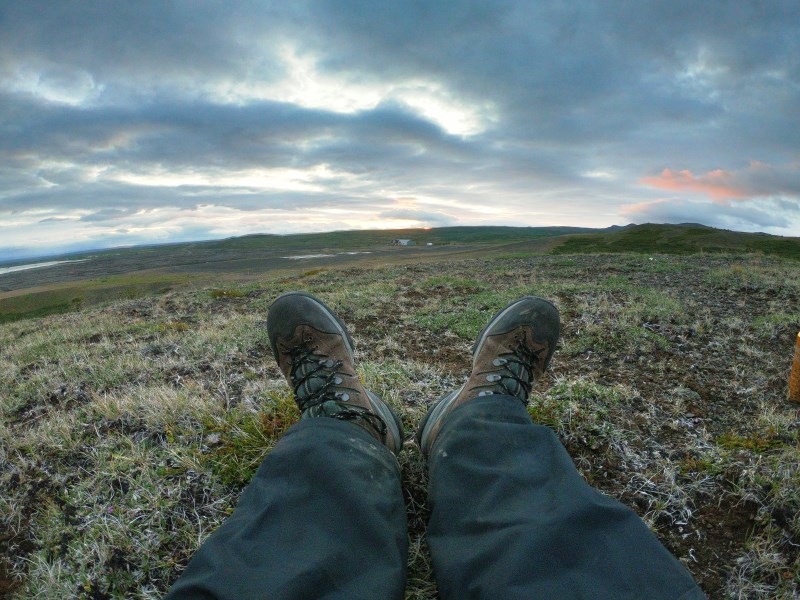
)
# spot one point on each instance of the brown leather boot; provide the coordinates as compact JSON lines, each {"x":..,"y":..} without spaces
{"x":314,"y":351}
{"x":511,"y":352}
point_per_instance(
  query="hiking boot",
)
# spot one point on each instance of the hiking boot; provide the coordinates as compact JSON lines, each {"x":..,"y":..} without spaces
{"x":314,"y":351}
{"x":511,"y":352}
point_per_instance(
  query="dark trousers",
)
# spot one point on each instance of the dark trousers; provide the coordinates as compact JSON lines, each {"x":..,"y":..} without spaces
{"x":511,"y":518}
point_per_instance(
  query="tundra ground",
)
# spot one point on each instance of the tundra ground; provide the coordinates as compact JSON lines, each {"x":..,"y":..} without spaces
{"x":129,"y":429}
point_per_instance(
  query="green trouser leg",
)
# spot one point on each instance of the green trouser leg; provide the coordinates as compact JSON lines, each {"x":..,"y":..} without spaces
{"x":324,"y":517}
{"x":512,"y":518}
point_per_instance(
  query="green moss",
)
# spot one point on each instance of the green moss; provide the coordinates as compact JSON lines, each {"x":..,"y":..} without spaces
{"x":703,"y":464}
{"x":466,"y":323}
{"x":172,"y":326}
{"x":245,"y":438}
{"x":755,"y":442}
{"x":312,"y":272}
{"x":546,"y":413}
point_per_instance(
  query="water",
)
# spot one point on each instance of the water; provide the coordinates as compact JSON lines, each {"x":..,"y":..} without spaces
{"x":322,"y":255}
{"x":41,"y":265}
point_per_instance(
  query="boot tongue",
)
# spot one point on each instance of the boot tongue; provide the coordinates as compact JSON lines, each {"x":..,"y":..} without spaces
{"x":317,"y":381}
{"x":521,"y":372}
{"x":506,"y":384}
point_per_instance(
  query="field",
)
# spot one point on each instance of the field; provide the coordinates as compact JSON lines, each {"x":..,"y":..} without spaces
{"x":130,"y":426}
{"x":142,"y":271}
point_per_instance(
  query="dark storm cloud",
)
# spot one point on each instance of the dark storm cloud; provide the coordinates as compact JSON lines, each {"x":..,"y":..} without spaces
{"x":217,"y":138}
{"x":196,"y":132}
{"x":138,"y":46}
{"x":594,"y":99}
{"x":111,"y":202}
{"x":553,"y":60}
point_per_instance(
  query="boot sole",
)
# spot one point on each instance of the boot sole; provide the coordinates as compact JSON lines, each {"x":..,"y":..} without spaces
{"x":390,"y":418}
{"x":435,"y":411}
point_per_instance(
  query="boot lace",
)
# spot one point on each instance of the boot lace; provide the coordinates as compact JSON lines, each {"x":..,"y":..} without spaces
{"x":514,"y":373}
{"x":319,"y":391}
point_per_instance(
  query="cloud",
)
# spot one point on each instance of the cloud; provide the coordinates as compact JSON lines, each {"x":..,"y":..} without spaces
{"x":755,"y":216}
{"x":492,"y":111}
{"x":420,"y":217}
{"x":757,"y":180}
{"x":717,"y":184}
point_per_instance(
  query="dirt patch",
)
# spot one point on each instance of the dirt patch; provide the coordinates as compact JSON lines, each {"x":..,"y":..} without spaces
{"x":725,"y":528}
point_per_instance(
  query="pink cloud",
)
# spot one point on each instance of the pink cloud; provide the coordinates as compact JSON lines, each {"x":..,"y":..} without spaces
{"x":643,"y":208}
{"x":719,"y":185}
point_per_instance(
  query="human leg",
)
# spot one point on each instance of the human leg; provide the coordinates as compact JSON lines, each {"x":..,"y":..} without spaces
{"x":324,"y":516}
{"x":511,"y":517}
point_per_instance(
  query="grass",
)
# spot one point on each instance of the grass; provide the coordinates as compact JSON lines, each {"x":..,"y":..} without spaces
{"x":128,"y":429}
{"x":681,"y":240}
{"x":241,"y":438}
{"x":369,"y":239}
{"x":73,"y":297}
{"x":754,"y":275}
{"x":150,"y":270}
{"x":226,"y":293}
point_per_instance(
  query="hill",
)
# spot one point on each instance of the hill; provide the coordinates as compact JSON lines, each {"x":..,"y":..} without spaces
{"x":145,"y":270}
{"x":150,"y":270}
{"x":377,"y":237}
{"x":168,"y":254}
{"x":679,"y":239}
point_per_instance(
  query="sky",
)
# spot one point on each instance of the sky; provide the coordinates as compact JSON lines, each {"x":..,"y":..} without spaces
{"x":149,"y":122}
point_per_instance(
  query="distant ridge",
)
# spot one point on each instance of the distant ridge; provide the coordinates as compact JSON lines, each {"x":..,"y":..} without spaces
{"x":376,"y":237}
{"x":685,"y":238}
{"x":355,"y":239}
{"x":157,"y":269}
